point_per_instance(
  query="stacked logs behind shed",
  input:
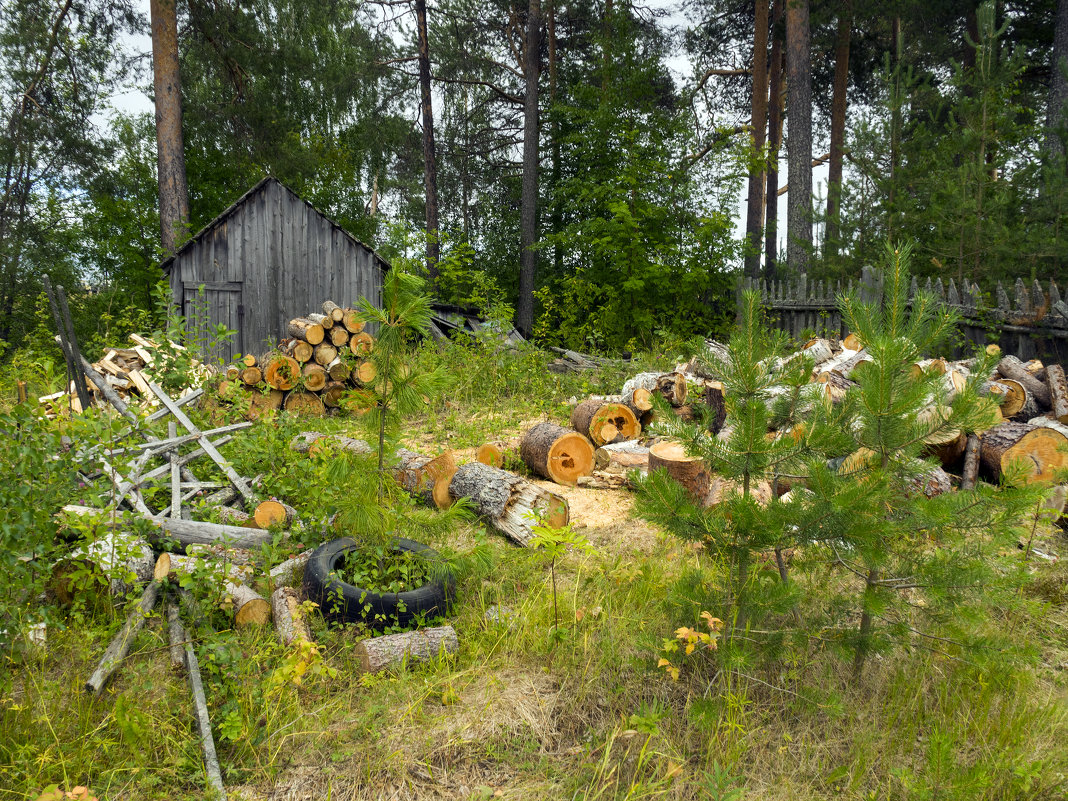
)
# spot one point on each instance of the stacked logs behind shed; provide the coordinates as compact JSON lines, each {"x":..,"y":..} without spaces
{"x":322,"y":357}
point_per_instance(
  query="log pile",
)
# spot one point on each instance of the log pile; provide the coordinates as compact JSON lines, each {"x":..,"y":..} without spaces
{"x":320,"y":360}
{"x":126,"y":372}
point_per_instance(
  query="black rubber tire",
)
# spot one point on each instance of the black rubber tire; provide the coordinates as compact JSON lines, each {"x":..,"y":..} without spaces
{"x":341,"y":601}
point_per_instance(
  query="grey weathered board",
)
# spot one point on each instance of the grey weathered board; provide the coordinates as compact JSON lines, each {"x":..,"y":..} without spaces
{"x":268,"y":258}
{"x":1028,"y":322}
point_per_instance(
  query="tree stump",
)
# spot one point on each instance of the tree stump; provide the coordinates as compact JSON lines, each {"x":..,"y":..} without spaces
{"x":689,"y":471}
{"x":508,"y":502}
{"x":605,"y":422}
{"x":1037,"y":449}
{"x":394,"y":650}
{"x":556,"y":453}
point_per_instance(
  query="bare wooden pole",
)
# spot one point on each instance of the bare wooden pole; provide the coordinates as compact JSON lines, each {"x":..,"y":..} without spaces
{"x":120,"y":644}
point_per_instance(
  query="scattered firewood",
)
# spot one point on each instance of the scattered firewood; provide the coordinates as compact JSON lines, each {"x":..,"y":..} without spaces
{"x":306,"y":329}
{"x":286,"y":572}
{"x":1011,"y":367}
{"x":670,"y":386}
{"x":250,"y":608}
{"x":970,"y":474}
{"x":600,"y":479}
{"x":289,"y":621}
{"x":508,"y":503}
{"x":393,"y":650}
{"x":273,"y":513}
{"x":624,"y":455}
{"x":184,"y":532}
{"x":556,"y":453}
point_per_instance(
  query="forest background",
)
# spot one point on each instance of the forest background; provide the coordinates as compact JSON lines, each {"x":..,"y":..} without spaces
{"x":565,"y":173}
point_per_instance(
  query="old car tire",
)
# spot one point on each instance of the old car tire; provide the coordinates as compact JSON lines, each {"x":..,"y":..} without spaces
{"x":341,"y":601}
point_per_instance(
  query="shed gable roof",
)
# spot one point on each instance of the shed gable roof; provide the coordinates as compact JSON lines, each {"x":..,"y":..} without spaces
{"x":168,"y":262}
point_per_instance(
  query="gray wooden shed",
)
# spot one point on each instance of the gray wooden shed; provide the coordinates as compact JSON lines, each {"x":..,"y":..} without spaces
{"x":268,"y":258}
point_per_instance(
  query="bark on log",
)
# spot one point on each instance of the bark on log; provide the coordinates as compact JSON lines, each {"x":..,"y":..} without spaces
{"x":395,"y":650}
{"x":335,"y":312}
{"x":1039,"y":450}
{"x":289,"y":621}
{"x":426,"y":477}
{"x":121,"y":642}
{"x":273,"y":513}
{"x":1042,"y":421}
{"x":624,"y":455}
{"x":851,"y":365}
{"x":305,"y":403}
{"x":1010,"y":395}
{"x":282,"y":372}
{"x":605,"y":422}
{"x":670,"y":386}
{"x":1058,"y":392}
{"x":300,"y":350}
{"x":932,"y":482}
{"x":184,"y":532}
{"x":1011,"y":367}
{"x":338,"y":370}
{"x":970,"y":473}
{"x":308,"y":330}
{"x":818,"y":350}
{"x":314,"y":377}
{"x":114,"y":556}
{"x":326,"y":322}
{"x":556,"y":453}
{"x":506,"y":501}
{"x":689,"y":471}
{"x":286,"y":572}
{"x":1029,"y":409}
{"x":250,"y":608}
{"x":313,"y":443}
{"x":836,"y":386}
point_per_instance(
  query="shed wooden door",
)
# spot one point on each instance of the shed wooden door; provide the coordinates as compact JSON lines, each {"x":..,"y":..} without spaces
{"x":208,"y":306}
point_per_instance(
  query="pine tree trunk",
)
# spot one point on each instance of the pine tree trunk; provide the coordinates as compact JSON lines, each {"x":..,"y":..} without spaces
{"x":430,"y":167}
{"x":754,"y":218}
{"x":170,"y":154}
{"x":799,"y":142}
{"x":838,"y":122}
{"x":1058,"y":84}
{"x":528,"y":257}
{"x":775,"y":117}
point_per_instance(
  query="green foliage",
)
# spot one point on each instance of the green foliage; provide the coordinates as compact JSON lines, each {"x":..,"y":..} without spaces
{"x":555,"y":542}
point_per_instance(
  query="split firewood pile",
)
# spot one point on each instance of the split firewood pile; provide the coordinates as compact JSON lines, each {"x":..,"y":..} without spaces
{"x":322,"y":357}
{"x":127,"y":372}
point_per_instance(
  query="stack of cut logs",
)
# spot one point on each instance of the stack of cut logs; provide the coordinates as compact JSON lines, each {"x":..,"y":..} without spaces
{"x":127,"y":371}
{"x":322,"y":358}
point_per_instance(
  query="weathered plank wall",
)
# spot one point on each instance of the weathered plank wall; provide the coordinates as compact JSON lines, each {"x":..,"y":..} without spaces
{"x":1032,"y":324}
{"x":267,"y":259}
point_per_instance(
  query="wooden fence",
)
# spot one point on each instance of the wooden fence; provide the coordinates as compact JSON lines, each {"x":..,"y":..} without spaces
{"x":1032,"y":324}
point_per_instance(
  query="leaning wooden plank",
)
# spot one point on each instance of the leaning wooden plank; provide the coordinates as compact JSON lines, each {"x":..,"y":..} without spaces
{"x":508,"y":503}
{"x":200,"y":711}
{"x":394,"y":650}
{"x":121,"y":642}
{"x":184,"y":532}
{"x":175,"y":636}
{"x":210,"y":449}
{"x":176,"y":479}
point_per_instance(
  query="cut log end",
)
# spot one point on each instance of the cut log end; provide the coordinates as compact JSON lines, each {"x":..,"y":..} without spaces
{"x":490,"y":453}
{"x":689,"y":471}
{"x":569,"y":457}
